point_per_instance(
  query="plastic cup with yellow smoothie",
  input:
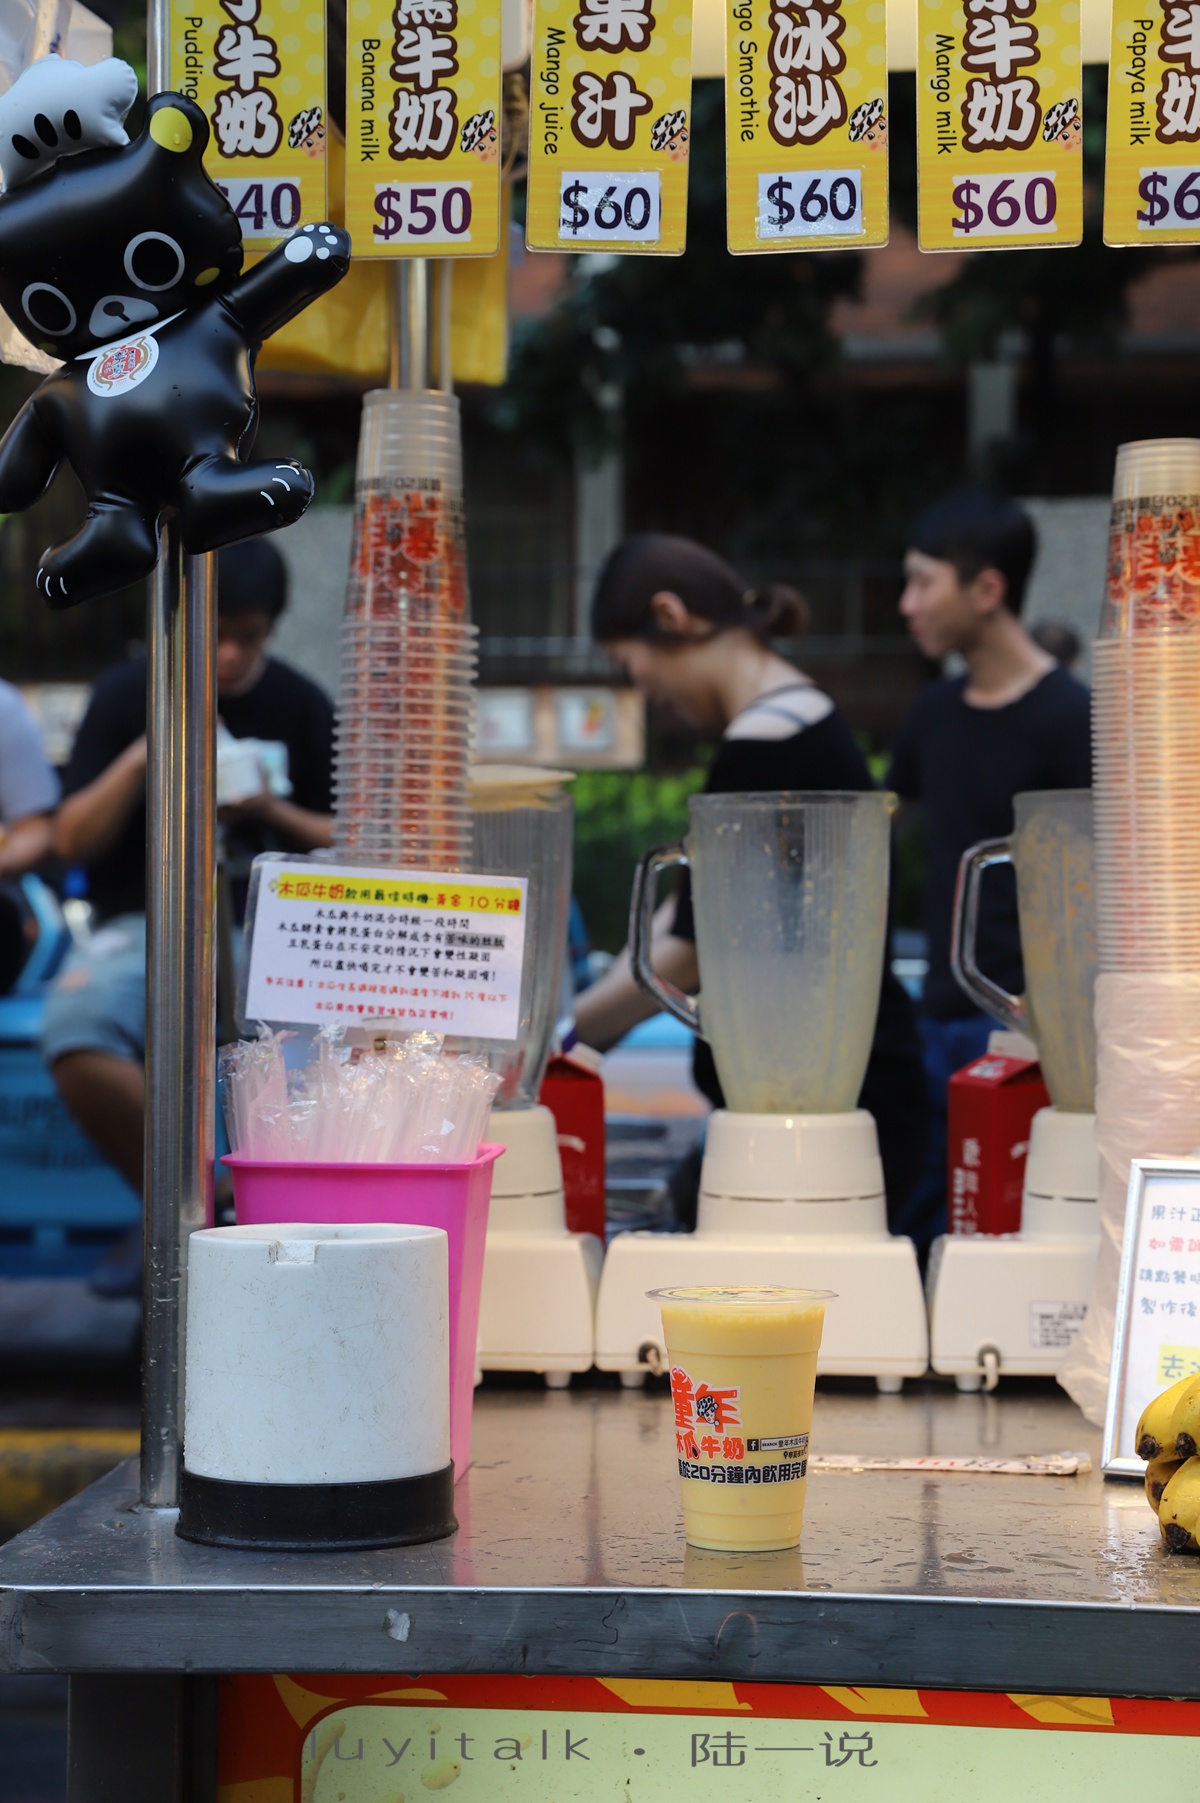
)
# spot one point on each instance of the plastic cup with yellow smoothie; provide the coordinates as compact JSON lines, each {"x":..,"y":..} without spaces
{"x":743,"y":1371}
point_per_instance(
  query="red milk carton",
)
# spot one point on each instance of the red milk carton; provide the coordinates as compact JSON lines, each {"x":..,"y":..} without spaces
{"x":574,"y":1094}
{"x":991,"y":1106}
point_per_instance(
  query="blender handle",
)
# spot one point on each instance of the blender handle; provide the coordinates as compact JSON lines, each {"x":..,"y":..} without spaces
{"x":987,"y":995}
{"x":641,"y":920}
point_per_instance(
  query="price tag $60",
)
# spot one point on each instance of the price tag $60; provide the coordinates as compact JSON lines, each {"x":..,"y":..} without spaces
{"x":1171,"y":199}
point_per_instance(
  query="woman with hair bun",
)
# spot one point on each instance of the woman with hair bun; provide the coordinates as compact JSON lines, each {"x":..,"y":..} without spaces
{"x":686,"y":630}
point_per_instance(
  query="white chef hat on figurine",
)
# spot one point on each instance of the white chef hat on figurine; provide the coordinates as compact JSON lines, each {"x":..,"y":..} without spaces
{"x":56,"y":108}
{"x":1061,"y":114}
{"x":663,"y":130}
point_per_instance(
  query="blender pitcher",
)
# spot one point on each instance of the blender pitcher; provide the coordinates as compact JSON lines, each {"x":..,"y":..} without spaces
{"x":523,"y":827}
{"x":1051,"y":851}
{"x":537,"y":1306}
{"x":790,"y":899}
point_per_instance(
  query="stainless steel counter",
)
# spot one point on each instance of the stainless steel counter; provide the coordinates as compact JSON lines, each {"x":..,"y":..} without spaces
{"x":570,"y":1558}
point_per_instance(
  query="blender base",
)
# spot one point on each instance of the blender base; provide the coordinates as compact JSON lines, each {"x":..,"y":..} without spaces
{"x":1010,"y":1304}
{"x":795,"y":1229}
{"x":538,"y":1303}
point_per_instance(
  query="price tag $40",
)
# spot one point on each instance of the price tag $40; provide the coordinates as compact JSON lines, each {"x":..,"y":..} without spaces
{"x":999,"y":206}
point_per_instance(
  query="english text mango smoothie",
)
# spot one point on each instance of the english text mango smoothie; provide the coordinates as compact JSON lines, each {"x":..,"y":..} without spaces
{"x":743,"y":1370}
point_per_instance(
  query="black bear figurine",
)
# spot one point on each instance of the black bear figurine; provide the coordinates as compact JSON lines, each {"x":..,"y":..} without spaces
{"x":125,"y":260}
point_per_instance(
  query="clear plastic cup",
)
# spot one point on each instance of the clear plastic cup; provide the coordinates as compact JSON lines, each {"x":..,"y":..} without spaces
{"x":743,"y":1373}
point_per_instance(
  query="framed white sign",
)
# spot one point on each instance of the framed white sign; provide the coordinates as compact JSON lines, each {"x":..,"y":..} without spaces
{"x":331,"y":942}
{"x":1156,"y":1339}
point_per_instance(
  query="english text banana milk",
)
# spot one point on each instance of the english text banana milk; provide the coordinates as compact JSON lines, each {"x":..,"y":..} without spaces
{"x":743,"y":1370}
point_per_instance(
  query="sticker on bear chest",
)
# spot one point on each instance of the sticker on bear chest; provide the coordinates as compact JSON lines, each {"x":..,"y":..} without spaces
{"x":120,"y":367}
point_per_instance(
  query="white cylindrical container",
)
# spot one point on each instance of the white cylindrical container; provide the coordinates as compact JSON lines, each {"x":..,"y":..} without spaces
{"x":317,"y":1402}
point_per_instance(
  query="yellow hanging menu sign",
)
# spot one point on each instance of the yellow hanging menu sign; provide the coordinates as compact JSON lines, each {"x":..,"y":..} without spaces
{"x":806,"y":124}
{"x":256,"y":68}
{"x":610,"y":119}
{"x":999,"y":125}
{"x":423,"y":127}
{"x":1152,"y":158}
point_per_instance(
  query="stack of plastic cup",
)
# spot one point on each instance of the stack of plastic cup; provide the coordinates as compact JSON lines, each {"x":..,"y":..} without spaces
{"x":1146,"y":753}
{"x":406,"y":701}
{"x":1146,"y":676}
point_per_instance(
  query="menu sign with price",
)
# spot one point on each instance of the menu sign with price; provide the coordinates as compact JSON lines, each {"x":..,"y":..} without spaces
{"x":610,"y":120}
{"x":999,"y":124}
{"x":1152,"y":159}
{"x":256,"y":69}
{"x":423,"y":121}
{"x":806,"y":127}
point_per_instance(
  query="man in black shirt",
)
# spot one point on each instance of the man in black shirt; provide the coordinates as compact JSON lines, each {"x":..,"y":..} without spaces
{"x":1015,"y":721}
{"x":94,"y":1032}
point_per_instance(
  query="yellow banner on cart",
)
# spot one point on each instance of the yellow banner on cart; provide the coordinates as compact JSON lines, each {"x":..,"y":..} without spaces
{"x":610,"y":120}
{"x":806,"y":124}
{"x":1152,"y":157}
{"x":999,"y":124}
{"x":256,"y":68}
{"x":423,"y":127}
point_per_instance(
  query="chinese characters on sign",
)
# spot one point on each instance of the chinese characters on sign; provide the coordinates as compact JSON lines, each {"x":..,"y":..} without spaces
{"x":610,"y":124}
{"x":423,"y":127}
{"x":257,"y":70}
{"x":1152,"y":158}
{"x":438,"y":953}
{"x":728,"y":1748}
{"x":806,"y":124}
{"x":1000,"y":130}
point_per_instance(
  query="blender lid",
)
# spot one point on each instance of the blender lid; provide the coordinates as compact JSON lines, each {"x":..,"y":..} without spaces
{"x":500,"y":785}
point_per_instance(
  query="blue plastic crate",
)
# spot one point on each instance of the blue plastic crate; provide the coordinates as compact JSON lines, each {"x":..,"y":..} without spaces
{"x":61,"y":1205}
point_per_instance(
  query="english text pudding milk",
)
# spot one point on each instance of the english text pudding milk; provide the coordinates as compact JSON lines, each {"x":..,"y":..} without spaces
{"x":743,"y":1370}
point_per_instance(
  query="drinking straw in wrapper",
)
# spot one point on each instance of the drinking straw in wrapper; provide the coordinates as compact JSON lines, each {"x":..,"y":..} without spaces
{"x":399,"y":1101}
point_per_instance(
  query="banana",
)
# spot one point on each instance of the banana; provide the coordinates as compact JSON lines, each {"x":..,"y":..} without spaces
{"x":1159,"y":1473}
{"x":1155,"y":1437}
{"x":1179,"y":1509}
{"x":1184,"y":1431}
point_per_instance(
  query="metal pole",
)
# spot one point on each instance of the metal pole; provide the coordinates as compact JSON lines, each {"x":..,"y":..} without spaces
{"x":444,"y":270}
{"x":180,"y":934}
{"x":158,"y":46}
{"x":410,"y":344}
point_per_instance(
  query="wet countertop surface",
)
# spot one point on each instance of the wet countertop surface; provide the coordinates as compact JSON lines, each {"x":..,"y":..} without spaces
{"x":570,"y":1558}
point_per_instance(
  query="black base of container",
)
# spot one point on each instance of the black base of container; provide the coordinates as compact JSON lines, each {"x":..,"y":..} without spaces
{"x":316,"y":1518}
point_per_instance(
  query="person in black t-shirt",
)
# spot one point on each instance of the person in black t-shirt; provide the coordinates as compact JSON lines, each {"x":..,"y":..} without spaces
{"x":1015,"y":721}
{"x":94,"y":1033}
{"x":686,"y":630}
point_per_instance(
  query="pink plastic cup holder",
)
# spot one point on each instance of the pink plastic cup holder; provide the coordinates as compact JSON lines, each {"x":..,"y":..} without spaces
{"x":454,"y":1197}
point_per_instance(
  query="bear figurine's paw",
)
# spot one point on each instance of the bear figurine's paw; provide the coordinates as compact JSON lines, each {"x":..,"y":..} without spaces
{"x":221,"y":500}
{"x":327,"y":243}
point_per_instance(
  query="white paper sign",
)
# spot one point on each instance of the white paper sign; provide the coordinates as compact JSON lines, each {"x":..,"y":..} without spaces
{"x":1157,"y":1339}
{"x":341,"y":943}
